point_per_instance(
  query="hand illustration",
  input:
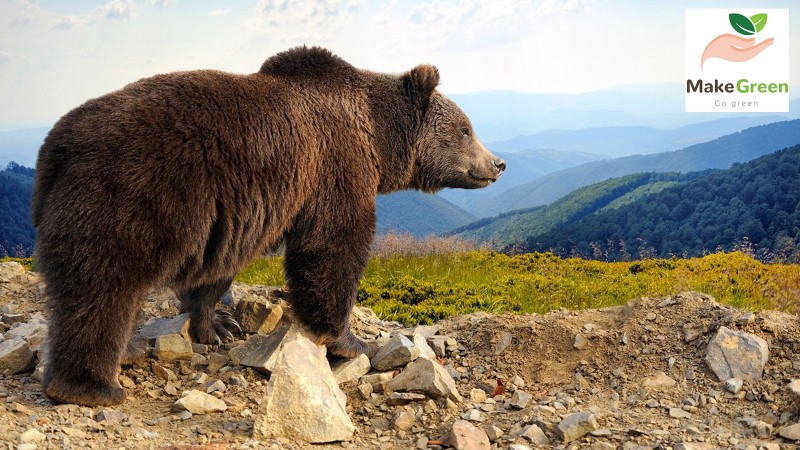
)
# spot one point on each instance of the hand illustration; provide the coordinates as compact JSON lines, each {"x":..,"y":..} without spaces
{"x":733,"y":48}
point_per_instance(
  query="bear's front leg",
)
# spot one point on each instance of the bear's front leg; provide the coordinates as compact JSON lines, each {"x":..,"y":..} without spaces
{"x":209,"y":326}
{"x":323,"y":265}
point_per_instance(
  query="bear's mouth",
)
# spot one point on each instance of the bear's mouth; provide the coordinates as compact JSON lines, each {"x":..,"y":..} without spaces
{"x":485,"y":180}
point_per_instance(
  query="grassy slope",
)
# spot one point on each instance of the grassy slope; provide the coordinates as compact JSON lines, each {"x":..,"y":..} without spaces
{"x":428,"y":288}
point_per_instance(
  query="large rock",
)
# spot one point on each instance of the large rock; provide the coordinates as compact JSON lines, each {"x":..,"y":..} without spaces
{"x":397,"y":352}
{"x":263,"y":352}
{"x":466,"y":436}
{"x":158,"y":326}
{"x":256,"y":315}
{"x":197,"y":402}
{"x":735,"y":354}
{"x":15,"y":355}
{"x":303,"y":399}
{"x":426,"y":376}
{"x":575,"y":426}
{"x":10,"y":270}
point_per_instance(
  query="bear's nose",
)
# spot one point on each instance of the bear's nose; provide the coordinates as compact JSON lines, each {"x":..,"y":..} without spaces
{"x":500,"y":165}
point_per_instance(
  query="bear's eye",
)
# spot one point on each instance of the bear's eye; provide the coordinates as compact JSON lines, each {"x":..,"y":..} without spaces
{"x":465,"y":132}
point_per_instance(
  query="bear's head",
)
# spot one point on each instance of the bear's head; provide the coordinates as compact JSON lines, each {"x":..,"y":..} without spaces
{"x":446,"y":151}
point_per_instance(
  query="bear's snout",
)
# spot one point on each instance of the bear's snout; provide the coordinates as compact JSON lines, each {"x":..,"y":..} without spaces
{"x":500,"y":165}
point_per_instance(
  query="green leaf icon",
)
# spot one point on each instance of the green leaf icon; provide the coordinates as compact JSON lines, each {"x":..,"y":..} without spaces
{"x":742,"y":24}
{"x":759,"y":20}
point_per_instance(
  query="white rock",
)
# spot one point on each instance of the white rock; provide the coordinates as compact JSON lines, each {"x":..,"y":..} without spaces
{"x":733,"y":385}
{"x":736,"y":354}
{"x":351,"y":369}
{"x":257,"y":315}
{"x":794,"y":387}
{"x":421,"y":344}
{"x":519,"y":399}
{"x":158,"y":326}
{"x":197,"y":402}
{"x":477,"y":395}
{"x":303,"y":399}
{"x":173,"y":347}
{"x":10,"y":270}
{"x":580,"y":342}
{"x":659,"y":380}
{"x":426,"y":376}
{"x":265,"y":351}
{"x":534,"y":434}
{"x":791,"y":432}
{"x":678,"y":413}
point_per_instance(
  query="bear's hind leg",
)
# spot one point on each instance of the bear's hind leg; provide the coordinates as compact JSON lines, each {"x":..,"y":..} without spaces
{"x":207,"y":325}
{"x":88,"y":333}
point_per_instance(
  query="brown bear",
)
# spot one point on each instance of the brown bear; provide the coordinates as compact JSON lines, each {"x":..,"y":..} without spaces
{"x":181,"y":179}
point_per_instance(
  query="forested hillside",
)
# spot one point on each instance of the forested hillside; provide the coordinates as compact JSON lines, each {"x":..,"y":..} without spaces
{"x":418,"y":213}
{"x":510,"y":228}
{"x":16,"y":232}
{"x":752,"y":204}
{"x":717,"y":154}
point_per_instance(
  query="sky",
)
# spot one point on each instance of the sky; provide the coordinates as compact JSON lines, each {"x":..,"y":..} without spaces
{"x":56,"y":54}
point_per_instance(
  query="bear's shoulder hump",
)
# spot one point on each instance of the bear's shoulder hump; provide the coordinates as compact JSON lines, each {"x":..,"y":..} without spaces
{"x":306,"y":62}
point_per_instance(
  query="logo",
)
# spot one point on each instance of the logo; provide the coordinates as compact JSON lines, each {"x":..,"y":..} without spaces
{"x":736,"y":62}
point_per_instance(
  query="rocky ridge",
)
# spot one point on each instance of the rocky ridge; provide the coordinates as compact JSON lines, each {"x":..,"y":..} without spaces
{"x":680,"y":372}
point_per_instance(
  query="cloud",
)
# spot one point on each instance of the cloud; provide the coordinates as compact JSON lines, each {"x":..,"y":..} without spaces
{"x":160,"y":3}
{"x":5,"y":58}
{"x":115,"y":10}
{"x":484,"y":21}
{"x":31,"y":15}
{"x":303,"y":18}
{"x":219,"y":12}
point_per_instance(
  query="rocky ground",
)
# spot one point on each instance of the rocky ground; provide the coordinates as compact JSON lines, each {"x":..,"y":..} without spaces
{"x":641,"y":376}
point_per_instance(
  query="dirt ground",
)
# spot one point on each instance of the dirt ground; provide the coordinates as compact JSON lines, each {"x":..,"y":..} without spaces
{"x":536,"y":354}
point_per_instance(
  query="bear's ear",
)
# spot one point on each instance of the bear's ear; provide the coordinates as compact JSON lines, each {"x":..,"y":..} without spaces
{"x":420,"y":82}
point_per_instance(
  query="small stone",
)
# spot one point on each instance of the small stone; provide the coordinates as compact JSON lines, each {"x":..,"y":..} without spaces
{"x":377,"y":380}
{"x":402,"y":398}
{"x":465,"y":436}
{"x":73,"y":432}
{"x":422,"y":443}
{"x":694,"y":446}
{"x":32,"y":435}
{"x":494,"y":433}
{"x":158,"y":326}
{"x":351,"y":369}
{"x":172,"y":347}
{"x":473,"y":415}
{"x":519,"y":399}
{"x":429,"y":377}
{"x":20,"y":408}
{"x":518,"y":447}
{"x":477,"y":396}
{"x":437,"y":343}
{"x":163,"y":373}
{"x":678,"y":413}
{"x":404,"y":420}
{"x":256,"y":315}
{"x":15,"y":356}
{"x":763,"y":430}
{"x":575,"y":426}
{"x":794,"y":387}
{"x":397,"y":352}
{"x":110,"y":416}
{"x":534,"y":435}
{"x":365,"y":389}
{"x":199,"y":348}
{"x":602,"y":446}
{"x":792,"y":432}
{"x":216,"y":361}
{"x":580,"y":342}
{"x":736,"y":354}
{"x":518,"y":381}
{"x":733,"y":385}
{"x":215,"y":386}
{"x":659,"y":380}
{"x":503,"y":341}
{"x":197,"y":402}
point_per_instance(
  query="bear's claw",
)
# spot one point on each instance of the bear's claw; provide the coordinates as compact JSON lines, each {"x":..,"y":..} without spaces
{"x":218,"y":330}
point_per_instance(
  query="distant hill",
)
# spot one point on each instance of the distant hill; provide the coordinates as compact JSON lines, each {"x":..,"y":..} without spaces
{"x":418,"y":213}
{"x":16,"y":232}
{"x":717,"y":154}
{"x":522,"y":167}
{"x":614,"y":142}
{"x":756,"y":202}
{"x":513,"y":227}
{"x":21,"y":146}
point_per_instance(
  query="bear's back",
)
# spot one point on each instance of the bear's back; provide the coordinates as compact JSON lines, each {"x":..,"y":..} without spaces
{"x":311,"y":63}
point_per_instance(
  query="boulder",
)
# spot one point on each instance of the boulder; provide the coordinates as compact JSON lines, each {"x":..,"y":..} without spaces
{"x":257,"y":315}
{"x":575,"y":426}
{"x":15,"y":355}
{"x":397,"y":352}
{"x":465,"y":436}
{"x":736,"y":354}
{"x":303,"y":399}
{"x":426,"y":376}
{"x":198,"y":402}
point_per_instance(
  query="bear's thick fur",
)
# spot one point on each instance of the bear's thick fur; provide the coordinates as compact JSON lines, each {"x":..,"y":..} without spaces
{"x":182,"y":178}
